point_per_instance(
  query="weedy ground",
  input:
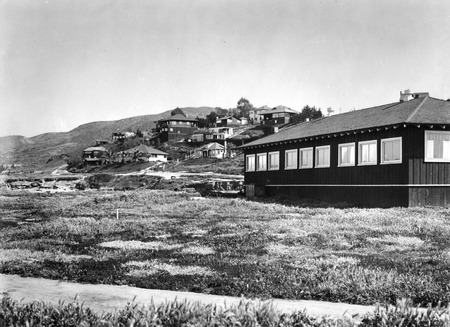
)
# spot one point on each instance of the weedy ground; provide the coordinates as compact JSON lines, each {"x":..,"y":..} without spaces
{"x":167,"y":240}
{"x":182,"y":313}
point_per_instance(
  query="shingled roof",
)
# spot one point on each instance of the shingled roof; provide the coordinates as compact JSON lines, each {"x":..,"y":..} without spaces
{"x":426,"y":110}
{"x":178,"y":117}
{"x":279,"y":109}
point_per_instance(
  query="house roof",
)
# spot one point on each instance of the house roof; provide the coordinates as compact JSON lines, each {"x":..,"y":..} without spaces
{"x":426,"y":110}
{"x":95,"y":148}
{"x":145,"y":149}
{"x":178,"y":117}
{"x":212,"y":146}
{"x":279,"y":109}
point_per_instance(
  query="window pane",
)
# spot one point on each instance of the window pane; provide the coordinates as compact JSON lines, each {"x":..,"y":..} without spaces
{"x":274,"y":159}
{"x":261,"y":164}
{"x":437,"y":145}
{"x":388,"y":155}
{"x":430,"y":149}
{"x":306,"y":158}
{"x":347,"y":154}
{"x":372,"y":152}
{"x":391,"y":150}
{"x":395,"y":150}
{"x":323,"y":157}
{"x":291,"y":159}
{"x":250,"y":163}
{"x":446,"y":150}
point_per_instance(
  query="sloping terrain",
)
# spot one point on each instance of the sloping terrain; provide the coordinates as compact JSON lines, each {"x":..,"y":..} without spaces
{"x":47,"y":151}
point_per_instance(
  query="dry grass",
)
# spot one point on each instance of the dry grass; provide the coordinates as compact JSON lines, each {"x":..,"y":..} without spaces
{"x":151,"y":267}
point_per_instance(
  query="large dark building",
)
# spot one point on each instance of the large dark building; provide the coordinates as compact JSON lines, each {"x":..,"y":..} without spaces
{"x":396,"y":154}
{"x":279,"y":115}
{"x":176,"y":127}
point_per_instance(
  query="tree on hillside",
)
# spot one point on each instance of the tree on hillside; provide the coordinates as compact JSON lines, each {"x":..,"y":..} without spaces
{"x":243,"y":108}
{"x":211,"y":119}
{"x":307,"y":113}
{"x":221,"y":112}
{"x":202,"y":122}
{"x":177,"y":111}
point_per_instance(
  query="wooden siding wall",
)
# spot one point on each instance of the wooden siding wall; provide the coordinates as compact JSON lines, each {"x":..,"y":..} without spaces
{"x":421,"y":172}
{"x":354,"y":175}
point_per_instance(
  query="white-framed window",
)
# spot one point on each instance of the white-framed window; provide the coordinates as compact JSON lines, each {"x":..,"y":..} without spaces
{"x":437,"y":146}
{"x":261,"y":161}
{"x":250,"y":162}
{"x":171,"y":129}
{"x":391,"y":150}
{"x":346,"y":155}
{"x":367,"y":153}
{"x":306,"y":158}
{"x":274,"y":160}
{"x":323,"y":156}
{"x":275,"y":116}
{"x":290,"y":159}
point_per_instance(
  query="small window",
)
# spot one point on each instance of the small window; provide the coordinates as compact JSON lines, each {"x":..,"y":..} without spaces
{"x":367,"y":153}
{"x":323,"y":156}
{"x":275,"y":116}
{"x":171,"y":129}
{"x":306,"y":158}
{"x":261,"y":162}
{"x":250,"y":162}
{"x":346,"y":155}
{"x":274,"y":160}
{"x":437,"y":146}
{"x":290,"y":159}
{"x":391,"y":150}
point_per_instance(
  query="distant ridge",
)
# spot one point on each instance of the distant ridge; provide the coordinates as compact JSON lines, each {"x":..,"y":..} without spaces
{"x":47,"y":150}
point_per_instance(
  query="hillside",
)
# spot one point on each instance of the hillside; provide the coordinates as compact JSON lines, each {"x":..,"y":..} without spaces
{"x":47,"y":151}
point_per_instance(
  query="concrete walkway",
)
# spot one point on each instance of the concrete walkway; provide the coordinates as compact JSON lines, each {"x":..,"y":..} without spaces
{"x":109,"y":297}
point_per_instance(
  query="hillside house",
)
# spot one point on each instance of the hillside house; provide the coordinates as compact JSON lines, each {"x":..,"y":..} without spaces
{"x":141,"y":153}
{"x":101,"y":142}
{"x":212,"y":134}
{"x":219,"y":133}
{"x":396,"y":154}
{"x":210,"y":150}
{"x":175,"y":128}
{"x":231,"y":121}
{"x":279,"y":115}
{"x":118,"y":137}
{"x":95,"y":155}
{"x":256,"y":116}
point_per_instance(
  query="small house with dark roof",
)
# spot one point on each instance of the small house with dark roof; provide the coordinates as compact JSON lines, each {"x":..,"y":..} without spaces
{"x":396,"y":154}
{"x":280,"y":115}
{"x":176,"y":127}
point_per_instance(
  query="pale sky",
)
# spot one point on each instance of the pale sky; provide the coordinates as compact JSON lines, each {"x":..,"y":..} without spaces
{"x":64,"y":63}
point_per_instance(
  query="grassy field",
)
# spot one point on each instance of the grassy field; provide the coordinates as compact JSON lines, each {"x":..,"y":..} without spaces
{"x":167,"y":240}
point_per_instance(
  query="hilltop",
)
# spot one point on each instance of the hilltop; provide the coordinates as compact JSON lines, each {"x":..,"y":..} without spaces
{"x":47,"y":151}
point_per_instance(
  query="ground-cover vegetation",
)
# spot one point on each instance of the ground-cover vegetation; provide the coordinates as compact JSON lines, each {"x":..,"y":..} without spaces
{"x":168,"y":240}
{"x":183,"y":313}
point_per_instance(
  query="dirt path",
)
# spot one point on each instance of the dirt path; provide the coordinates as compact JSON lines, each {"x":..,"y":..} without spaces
{"x":109,"y":297}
